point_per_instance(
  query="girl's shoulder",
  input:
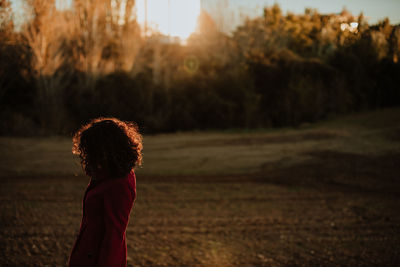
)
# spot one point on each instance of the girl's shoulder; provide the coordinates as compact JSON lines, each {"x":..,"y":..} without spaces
{"x":117,"y":185}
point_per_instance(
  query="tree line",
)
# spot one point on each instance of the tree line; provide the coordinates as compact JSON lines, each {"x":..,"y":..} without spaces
{"x":60,"y":68}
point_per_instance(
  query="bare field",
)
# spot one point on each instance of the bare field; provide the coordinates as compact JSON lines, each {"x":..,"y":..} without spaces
{"x":325,"y":194}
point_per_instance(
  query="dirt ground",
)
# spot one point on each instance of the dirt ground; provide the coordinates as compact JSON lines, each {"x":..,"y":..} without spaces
{"x":337,"y":207}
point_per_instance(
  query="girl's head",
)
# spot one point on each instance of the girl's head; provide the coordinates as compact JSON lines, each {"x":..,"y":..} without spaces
{"x":108,"y":147}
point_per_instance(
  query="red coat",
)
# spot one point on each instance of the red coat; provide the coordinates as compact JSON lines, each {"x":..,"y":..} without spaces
{"x":105,"y":215}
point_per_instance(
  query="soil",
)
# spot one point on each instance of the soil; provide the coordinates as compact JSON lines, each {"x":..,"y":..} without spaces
{"x":338,"y":209}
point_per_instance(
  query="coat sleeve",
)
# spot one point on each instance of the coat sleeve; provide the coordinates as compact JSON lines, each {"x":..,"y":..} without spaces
{"x":118,"y":202}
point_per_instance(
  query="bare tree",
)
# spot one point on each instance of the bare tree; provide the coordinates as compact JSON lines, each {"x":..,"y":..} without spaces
{"x":45,"y":35}
{"x":6,"y":32}
{"x":107,"y":37}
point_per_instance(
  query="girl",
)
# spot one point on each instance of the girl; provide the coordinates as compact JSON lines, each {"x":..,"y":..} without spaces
{"x":109,"y":150}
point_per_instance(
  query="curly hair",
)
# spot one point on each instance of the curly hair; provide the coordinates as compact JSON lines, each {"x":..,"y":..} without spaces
{"x":108,"y":147}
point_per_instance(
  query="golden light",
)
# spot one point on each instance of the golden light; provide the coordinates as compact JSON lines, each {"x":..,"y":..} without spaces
{"x":352,"y":27}
{"x":176,"y":18}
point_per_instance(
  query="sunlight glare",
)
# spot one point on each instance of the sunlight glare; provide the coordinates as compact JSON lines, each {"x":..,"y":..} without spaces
{"x":177,"y":20}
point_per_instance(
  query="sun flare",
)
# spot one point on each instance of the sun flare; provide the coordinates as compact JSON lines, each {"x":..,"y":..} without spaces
{"x":176,"y":18}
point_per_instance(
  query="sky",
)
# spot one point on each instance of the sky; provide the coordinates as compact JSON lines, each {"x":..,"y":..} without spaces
{"x":170,"y":22}
{"x":234,"y":11}
{"x":374,"y":10}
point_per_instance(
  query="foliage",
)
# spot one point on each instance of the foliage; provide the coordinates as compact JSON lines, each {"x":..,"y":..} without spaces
{"x":65,"y":67}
